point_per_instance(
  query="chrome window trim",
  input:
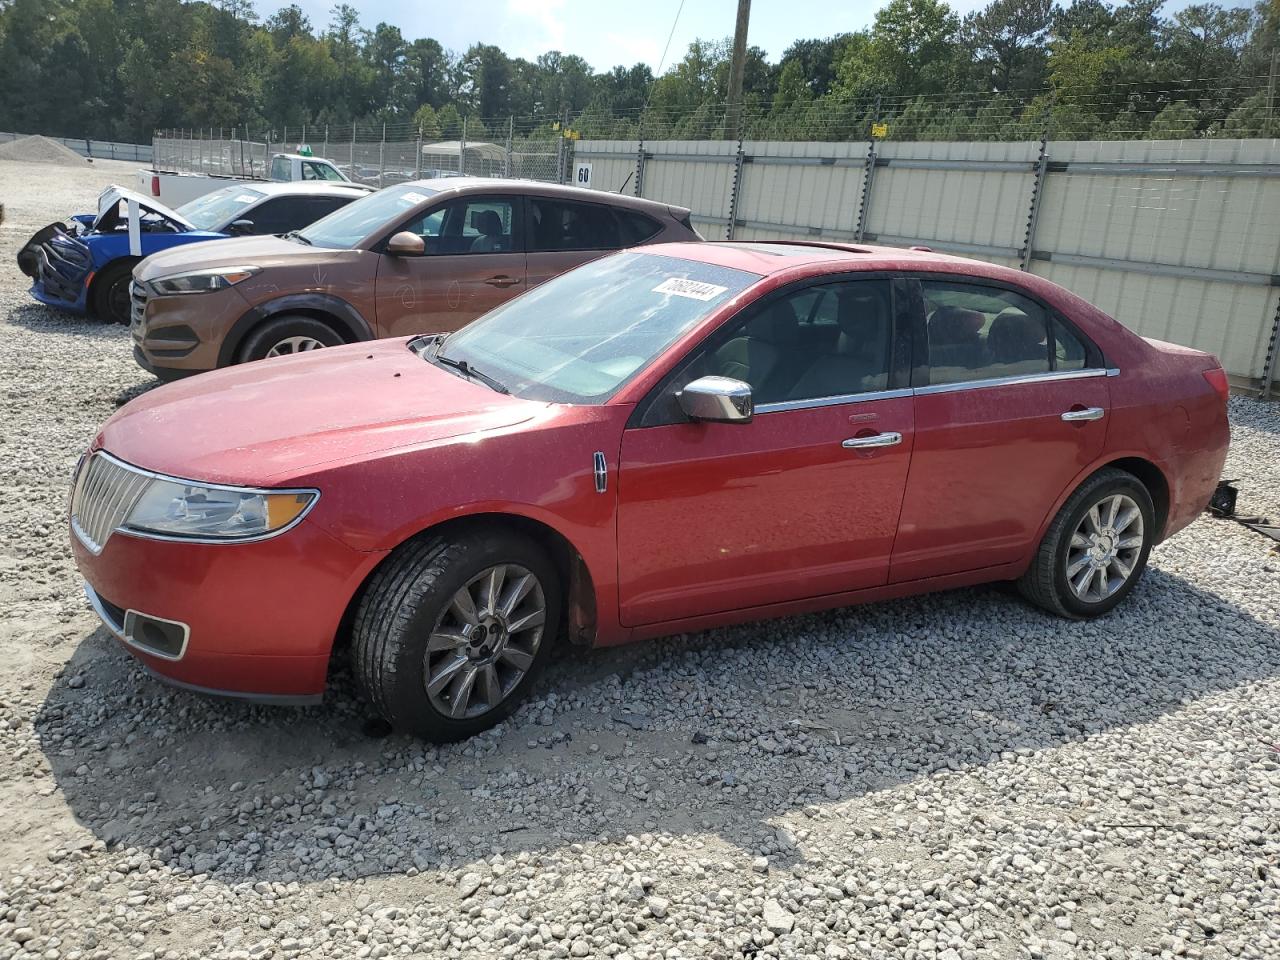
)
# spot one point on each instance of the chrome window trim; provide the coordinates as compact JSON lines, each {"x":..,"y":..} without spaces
{"x":786,"y":405}
{"x":1049,"y":376}
{"x":96,"y":549}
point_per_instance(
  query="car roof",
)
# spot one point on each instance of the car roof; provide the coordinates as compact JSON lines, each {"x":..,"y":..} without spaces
{"x":331,"y":188}
{"x":542,"y":189}
{"x":767,"y":257}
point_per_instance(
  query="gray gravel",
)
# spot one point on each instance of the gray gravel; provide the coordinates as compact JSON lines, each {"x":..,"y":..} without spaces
{"x":946,"y":778}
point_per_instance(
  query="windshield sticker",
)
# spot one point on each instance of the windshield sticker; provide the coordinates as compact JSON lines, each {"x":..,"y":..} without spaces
{"x":693,"y":289}
{"x":415,"y":198}
{"x":245,"y":198}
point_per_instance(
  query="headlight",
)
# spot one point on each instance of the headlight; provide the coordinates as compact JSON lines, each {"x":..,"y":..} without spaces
{"x":203,"y":281}
{"x":172,"y":508}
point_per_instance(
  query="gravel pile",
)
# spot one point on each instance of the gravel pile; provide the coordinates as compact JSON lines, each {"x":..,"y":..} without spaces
{"x":947,"y":778}
{"x":39,"y":149}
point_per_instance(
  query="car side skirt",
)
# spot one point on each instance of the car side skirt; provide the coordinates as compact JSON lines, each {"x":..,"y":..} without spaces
{"x":890,"y":591}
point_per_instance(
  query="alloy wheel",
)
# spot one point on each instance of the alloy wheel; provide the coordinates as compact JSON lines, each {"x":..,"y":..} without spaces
{"x":1105,"y":548}
{"x":291,"y":345}
{"x":485,"y":641}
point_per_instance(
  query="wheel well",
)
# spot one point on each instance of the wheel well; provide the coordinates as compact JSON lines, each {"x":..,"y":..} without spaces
{"x":111,"y":267}
{"x":575,"y":578}
{"x":1154,"y":480}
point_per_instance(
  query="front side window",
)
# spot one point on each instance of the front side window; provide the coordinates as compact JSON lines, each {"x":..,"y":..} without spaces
{"x":831,"y":340}
{"x":983,"y":333}
{"x":473,"y":225}
{"x":218,"y":210}
{"x":319,"y":171}
{"x":280,"y":215}
{"x":580,"y":337}
{"x":361,"y":218}
{"x":569,"y":225}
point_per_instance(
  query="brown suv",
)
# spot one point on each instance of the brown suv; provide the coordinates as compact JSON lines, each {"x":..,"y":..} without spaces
{"x":421,"y":257}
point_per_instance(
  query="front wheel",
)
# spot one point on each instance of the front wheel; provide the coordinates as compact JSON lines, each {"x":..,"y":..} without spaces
{"x":109,"y":299}
{"x":284,"y":336}
{"x":1096,"y":549}
{"x":452,"y":630}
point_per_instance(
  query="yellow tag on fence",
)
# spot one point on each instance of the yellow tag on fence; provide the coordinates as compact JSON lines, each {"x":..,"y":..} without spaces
{"x":879,"y":130}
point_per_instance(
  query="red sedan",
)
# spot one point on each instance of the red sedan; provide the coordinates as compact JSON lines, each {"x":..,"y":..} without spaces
{"x":657,"y":442}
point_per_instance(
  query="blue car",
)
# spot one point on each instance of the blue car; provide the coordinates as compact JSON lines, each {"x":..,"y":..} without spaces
{"x":84,"y":265}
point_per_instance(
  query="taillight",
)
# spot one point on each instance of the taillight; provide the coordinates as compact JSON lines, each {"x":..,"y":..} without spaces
{"x":1217,"y":378}
{"x":155,"y":186}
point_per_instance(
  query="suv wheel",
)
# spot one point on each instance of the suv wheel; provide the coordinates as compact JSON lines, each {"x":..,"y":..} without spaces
{"x":283,"y":336}
{"x":1095,"y":550}
{"x":452,"y":630}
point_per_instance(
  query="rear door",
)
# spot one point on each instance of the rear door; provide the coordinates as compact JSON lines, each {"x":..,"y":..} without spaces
{"x":1011,"y":406}
{"x":565,"y":233}
{"x":474,"y":260}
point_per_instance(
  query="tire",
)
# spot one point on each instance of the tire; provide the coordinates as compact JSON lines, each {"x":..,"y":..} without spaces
{"x":1052,"y":581}
{"x":109,"y":298}
{"x":411,"y":600}
{"x":281,"y":336}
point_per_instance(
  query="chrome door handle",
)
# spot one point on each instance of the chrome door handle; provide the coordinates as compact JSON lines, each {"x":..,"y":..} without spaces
{"x":876,"y":440}
{"x":502,"y":281}
{"x":1089,"y":413}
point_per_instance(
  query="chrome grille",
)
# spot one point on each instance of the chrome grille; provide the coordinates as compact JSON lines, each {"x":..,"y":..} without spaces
{"x":137,"y":308}
{"x":105,"y":492}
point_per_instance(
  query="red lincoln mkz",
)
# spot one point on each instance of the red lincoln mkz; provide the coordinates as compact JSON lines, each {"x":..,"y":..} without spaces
{"x":657,"y":442}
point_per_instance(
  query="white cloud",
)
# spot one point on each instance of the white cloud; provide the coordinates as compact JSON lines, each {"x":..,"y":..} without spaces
{"x":540,"y":24}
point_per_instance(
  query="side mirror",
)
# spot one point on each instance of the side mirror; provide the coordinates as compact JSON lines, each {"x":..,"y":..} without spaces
{"x":717,"y":399}
{"x":406,"y":244}
{"x":242,"y":226}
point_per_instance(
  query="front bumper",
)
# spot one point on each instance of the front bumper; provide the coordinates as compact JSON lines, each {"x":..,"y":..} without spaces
{"x":258,"y":620}
{"x":59,"y":264}
{"x":177,"y":336}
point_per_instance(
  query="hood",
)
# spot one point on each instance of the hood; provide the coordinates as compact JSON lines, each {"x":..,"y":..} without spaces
{"x":263,"y":423}
{"x":233,"y":252}
{"x":109,"y":198}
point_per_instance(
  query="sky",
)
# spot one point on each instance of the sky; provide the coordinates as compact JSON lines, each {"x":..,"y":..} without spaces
{"x":611,"y":32}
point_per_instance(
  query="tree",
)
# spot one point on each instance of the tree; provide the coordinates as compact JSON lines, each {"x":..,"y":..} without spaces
{"x":425,"y":119}
{"x":1006,"y":41}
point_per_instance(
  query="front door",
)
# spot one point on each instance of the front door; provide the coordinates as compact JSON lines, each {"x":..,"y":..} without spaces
{"x":474,"y":260}
{"x":1012,"y":407}
{"x":800,"y":502}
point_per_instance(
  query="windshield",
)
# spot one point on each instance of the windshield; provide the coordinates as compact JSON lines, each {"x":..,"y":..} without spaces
{"x":580,"y":337}
{"x":348,"y":226}
{"x":215,"y":210}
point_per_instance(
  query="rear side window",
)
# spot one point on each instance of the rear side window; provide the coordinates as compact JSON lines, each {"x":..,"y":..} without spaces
{"x":983,"y":333}
{"x":280,"y":168}
{"x":323,"y":206}
{"x":281,"y":215}
{"x":636,"y":227}
{"x":569,"y":225}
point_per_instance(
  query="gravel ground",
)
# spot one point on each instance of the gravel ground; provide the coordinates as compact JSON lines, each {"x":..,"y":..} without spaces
{"x":957,"y":776}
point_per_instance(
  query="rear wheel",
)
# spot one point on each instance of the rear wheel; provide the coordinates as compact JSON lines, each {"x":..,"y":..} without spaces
{"x":452,"y":630}
{"x":109,"y":298}
{"x":1096,"y":549}
{"x":287,"y":335}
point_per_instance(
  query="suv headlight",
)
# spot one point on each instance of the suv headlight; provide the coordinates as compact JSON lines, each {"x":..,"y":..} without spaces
{"x":202,"y":281}
{"x":173,"y":508}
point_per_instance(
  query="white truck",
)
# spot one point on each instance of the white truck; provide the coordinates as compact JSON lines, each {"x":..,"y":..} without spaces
{"x":174,"y":189}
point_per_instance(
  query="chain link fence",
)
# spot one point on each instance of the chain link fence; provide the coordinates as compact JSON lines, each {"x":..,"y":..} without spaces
{"x":376,"y":154}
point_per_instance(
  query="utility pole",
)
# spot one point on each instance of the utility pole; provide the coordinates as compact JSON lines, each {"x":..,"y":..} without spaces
{"x":737,"y":67}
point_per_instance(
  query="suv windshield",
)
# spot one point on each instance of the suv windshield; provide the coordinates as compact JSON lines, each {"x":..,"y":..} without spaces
{"x":216,"y":210}
{"x":580,"y":337}
{"x":346,"y":227}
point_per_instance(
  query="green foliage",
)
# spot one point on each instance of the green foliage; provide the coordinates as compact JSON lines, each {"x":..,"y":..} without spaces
{"x":123,"y":68}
